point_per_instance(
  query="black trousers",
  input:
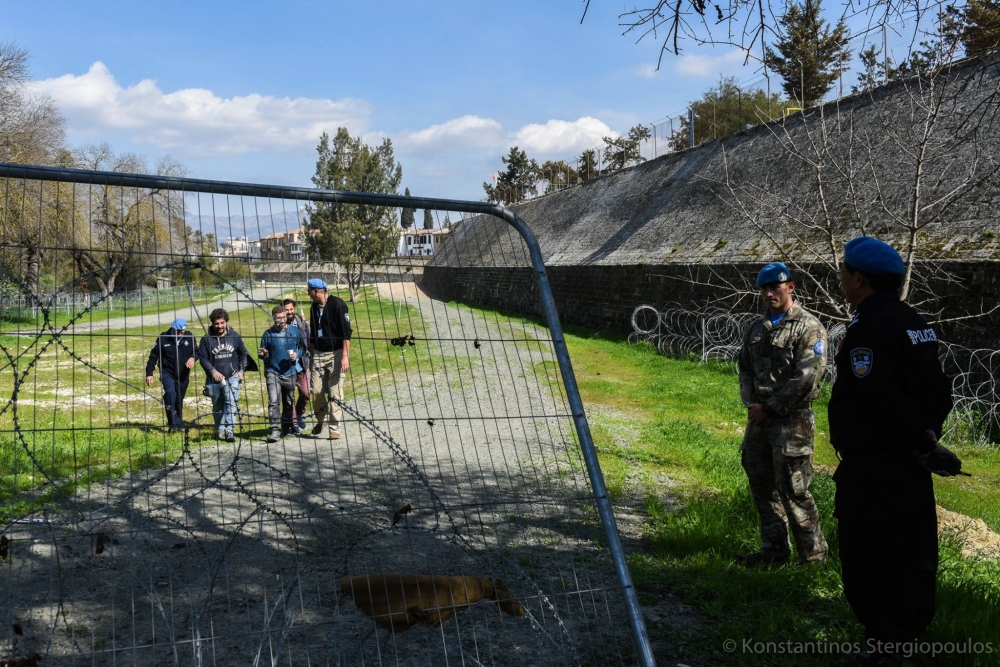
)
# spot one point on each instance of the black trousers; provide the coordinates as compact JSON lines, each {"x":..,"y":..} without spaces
{"x":174,"y":390}
{"x":887,"y":526}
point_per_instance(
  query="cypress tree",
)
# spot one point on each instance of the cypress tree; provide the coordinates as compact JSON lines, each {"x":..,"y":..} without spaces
{"x":406,"y":219}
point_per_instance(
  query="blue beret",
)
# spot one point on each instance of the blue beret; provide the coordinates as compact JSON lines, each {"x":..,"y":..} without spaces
{"x":179,"y":324}
{"x":317,"y":283}
{"x":870,"y":255}
{"x":773,"y":273}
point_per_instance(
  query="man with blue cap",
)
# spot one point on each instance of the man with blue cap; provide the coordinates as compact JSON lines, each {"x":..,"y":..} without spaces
{"x":781,"y":364}
{"x":887,"y":408}
{"x":330,"y":348}
{"x":174,"y":350}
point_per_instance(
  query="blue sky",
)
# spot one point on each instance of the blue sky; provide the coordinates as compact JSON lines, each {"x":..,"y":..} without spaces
{"x":242,"y":90}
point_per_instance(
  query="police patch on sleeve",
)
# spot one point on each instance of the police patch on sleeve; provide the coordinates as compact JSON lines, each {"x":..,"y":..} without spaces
{"x":819,"y":348}
{"x":861,"y":361}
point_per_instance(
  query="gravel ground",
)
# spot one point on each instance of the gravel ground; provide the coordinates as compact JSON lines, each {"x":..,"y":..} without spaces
{"x":233,"y":554}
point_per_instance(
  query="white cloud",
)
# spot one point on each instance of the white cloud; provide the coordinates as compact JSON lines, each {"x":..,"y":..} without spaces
{"x":706,"y":65}
{"x":561,"y":136}
{"x":196,"y":120}
{"x":646,"y":71}
{"x":457,"y":133}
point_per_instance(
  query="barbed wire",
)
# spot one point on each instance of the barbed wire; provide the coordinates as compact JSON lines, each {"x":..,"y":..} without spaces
{"x":717,"y":334}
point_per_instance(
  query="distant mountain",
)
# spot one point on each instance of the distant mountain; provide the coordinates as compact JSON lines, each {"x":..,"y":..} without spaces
{"x":260,"y":223}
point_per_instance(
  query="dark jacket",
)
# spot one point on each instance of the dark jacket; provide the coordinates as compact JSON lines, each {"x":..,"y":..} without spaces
{"x":890,"y":388}
{"x":332,"y":328}
{"x":172,"y":351}
{"x":226,"y":354}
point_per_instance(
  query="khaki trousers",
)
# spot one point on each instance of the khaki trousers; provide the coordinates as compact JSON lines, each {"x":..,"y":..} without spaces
{"x":327,"y":383}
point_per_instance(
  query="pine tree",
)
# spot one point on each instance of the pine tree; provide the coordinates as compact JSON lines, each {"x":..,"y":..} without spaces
{"x":981,"y":32}
{"x":810,"y":55}
{"x":446,"y":223}
{"x":517,"y":181}
{"x":624,"y":151}
{"x":428,"y":219}
{"x":588,"y":165}
{"x":726,"y":109}
{"x":406,"y":218}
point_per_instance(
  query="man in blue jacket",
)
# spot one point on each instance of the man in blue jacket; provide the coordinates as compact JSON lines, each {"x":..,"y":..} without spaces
{"x":174,"y":351}
{"x":282,"y":349}
{"x":224,"y":357}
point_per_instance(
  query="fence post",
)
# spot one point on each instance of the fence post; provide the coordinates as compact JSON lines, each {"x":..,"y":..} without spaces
{"x":690,"y":127}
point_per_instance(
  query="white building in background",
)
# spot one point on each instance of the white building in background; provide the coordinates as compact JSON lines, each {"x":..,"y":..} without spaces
{"x":420,"y":242}
{"x":253,"y":251}
{"x":235,"y":248}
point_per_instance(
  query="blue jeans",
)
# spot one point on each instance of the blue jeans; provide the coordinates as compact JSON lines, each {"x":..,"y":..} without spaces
{"x":173,"y":398}
{"x":224,"y":397}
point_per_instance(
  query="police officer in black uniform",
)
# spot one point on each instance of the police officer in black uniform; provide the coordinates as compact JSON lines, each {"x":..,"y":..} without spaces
{"x":886,"y":412}
{"x":174,"y":351}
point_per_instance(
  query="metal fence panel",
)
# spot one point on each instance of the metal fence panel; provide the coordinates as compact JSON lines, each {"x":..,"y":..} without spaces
{"x":460,"y":518}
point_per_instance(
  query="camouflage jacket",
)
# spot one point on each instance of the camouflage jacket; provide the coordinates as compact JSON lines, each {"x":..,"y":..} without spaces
{"x":781,"y":366}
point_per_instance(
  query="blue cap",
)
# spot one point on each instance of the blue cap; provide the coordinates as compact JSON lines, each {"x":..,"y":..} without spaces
{"x":773,"y":273}
{"x":179,"y":324}
{"x":869,"y":255}
{"x":316,"y":283}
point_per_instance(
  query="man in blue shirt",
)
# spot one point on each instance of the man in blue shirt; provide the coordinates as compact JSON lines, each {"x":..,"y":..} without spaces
{"x":282,"y":349}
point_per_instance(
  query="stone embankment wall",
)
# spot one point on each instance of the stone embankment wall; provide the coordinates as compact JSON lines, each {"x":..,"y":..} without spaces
{"x":690,"y":227}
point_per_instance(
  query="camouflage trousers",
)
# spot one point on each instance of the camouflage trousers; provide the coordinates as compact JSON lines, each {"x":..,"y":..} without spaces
{"x":778,"y":463}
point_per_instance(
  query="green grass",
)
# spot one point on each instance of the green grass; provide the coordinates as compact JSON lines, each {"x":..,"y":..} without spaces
{"x":77,"y":426}
{"x":684,"y":420}
{"x":13,"y":320}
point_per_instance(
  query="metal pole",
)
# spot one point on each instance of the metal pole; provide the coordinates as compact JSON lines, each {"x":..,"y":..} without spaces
{"x":690,"y":127}
{"x":654,"y":140}
{"x":602,"y":500}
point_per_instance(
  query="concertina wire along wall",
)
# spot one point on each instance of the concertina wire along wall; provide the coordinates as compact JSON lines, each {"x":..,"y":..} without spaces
{"x":461,"y":519}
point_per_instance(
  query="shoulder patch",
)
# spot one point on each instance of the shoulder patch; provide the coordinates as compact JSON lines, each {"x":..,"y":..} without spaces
{"x":861,"y":361}
{"x":819,"y":348}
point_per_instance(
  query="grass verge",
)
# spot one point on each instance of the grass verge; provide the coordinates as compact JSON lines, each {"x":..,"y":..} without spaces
{"x":656,"y":417}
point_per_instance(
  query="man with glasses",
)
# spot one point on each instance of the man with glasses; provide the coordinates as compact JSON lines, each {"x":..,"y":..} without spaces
{"x":780,"y":367}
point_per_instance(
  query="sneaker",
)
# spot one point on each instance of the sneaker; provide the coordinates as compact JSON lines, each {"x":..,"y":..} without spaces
{"x":273,"y":437}
{"x":334,"y":434}
{"x":230,"y":437}
{"x":762,"y":559}
{"x":302,"y":423}
{"x":318,"y":428}
{"x":296,"y":430}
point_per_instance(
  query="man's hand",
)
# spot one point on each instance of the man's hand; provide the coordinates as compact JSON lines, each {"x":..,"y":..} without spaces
{"x":240,"y":376}
{"x":261,"y":352}
{"x":189,"y":363}
{"x":940,"y":461}
{"x":149,"y":380}
{"x":217,"y":376}
{"x":292,"y":355}
{"x":345,"y":364}
{"x":757,"y":415}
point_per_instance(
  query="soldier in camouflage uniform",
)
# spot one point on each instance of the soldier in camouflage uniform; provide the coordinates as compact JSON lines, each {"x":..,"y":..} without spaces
{"x":780,"y":367}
